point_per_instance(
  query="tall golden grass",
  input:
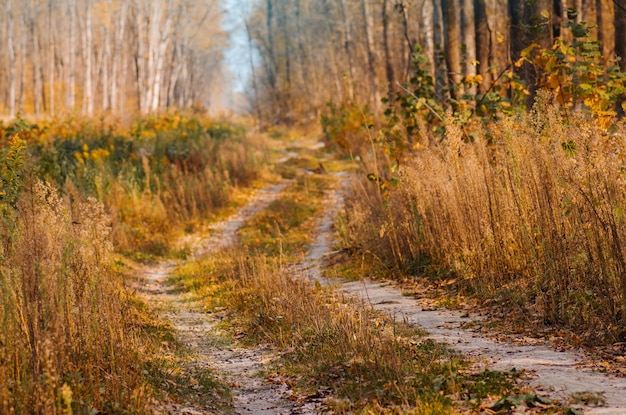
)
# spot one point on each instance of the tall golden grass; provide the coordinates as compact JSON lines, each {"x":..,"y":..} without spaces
{"x":64,"y":341}
{"x":73,"y":338}
{"x":530,"y":210}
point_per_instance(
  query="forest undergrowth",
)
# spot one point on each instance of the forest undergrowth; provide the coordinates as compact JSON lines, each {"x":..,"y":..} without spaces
{"x":529,"y":212}
{"x":329,"y":345}
{"x":76,"y":194}
{"x":524,"y":206}
{"x":521,"y":207}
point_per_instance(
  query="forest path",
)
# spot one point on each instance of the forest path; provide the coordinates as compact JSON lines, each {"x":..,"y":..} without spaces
{"x":237,"y":366}
{"x":554,"y":373}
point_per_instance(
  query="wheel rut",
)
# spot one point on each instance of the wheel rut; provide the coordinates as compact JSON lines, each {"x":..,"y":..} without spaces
{"x":239,"y":367}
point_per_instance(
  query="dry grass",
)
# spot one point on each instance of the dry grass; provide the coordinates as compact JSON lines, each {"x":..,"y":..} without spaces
{"x":155,"y":176}
{"x":365,"y":361}
{"x":329,"y":341}
{"x":531,"y":211}
{"x":285,"y":227}
{"x":73,"y":339}
{"x":65,"y":344}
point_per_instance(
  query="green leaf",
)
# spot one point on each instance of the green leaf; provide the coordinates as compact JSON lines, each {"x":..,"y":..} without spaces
{"x":579,"y":30}
{"x":571,"y":14}
{"x":372,"y":177}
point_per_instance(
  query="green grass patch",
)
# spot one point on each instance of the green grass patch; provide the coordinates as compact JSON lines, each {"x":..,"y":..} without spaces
{"x":285,"y":228}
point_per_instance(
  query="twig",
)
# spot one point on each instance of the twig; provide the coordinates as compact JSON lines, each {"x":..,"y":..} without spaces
{"x":421,"y":101}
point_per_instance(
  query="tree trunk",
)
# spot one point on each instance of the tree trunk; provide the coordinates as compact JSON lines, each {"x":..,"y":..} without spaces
{"x":51,"y":57}
{"x":270,"y":44}
{"x":538,"y":10}
{"x":161,"y":49}
{"x":71,"y":97}
{"x":469,"y":41}
{"x":428,"y":19}
{"x":23,"y":54}
{"x":140,"y":58}
{"x":88,"y":56}
{"x":483,"y":44}
{"x":452,"y":15}
{"x":12,"y":62}
{"x":441,"y":71}
{"x":620,"y":43}
{"x":118,"y":57}
{"x":348,"y":46}
{"x":371,"y":51}
{"x":387,"y":51}
{"x":606,"y":31}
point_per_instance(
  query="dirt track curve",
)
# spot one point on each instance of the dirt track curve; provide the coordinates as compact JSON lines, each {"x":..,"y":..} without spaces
{"x":558,"y":374}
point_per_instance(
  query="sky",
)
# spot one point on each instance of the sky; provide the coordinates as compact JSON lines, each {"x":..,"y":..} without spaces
{"x":237,"y":53}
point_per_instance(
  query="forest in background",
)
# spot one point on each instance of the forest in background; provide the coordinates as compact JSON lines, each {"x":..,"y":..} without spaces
{"x":313,"y":52}
{"x":108,"y":56}
{"x":485,"y":135}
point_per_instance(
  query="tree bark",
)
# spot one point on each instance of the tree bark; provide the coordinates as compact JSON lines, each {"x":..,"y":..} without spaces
{"x":12,"y":62}
{"x":387,"y":51}
{"x":51,"y":57}
{"x":428,"y":19}
{"x":88,"y":56}
{"x":620,"y":43}
{"x":469,"y":41}
{"x":371,"y":52}
{"x":483,"y":44}
{"x":118,"y":56}
{"x":348,"y":46}
{"x":71,"y":98}
{"x":452,"y":15}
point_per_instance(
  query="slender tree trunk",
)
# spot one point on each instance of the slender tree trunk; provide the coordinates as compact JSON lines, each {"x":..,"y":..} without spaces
{"x":88,"y":57}
{"x":402,"y":8}
{"x":161,"y":46}
{"x":452,"y":14}
{"x":23,"y":54}
{"x":118,"y":57}
{"x":606,"y":28}
{"x":469,"y":40}
{"x":441,"y":73}
{"x":348,"y":46}
{"x":37,"y":67}
{"x":387,"y":51}
{"x":270,"y":44}
{"x":12,"y":62}
{"x":620,"y":43}
{"x":142,"y":83}
{"x":304,"y":65}
{"x":51,"y":57}
{"x":428,"y":18}
{"x":255,"y":87}
{"x":71,"y":100}
{"x":371,"y":51}
{"x":483,"y":44}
